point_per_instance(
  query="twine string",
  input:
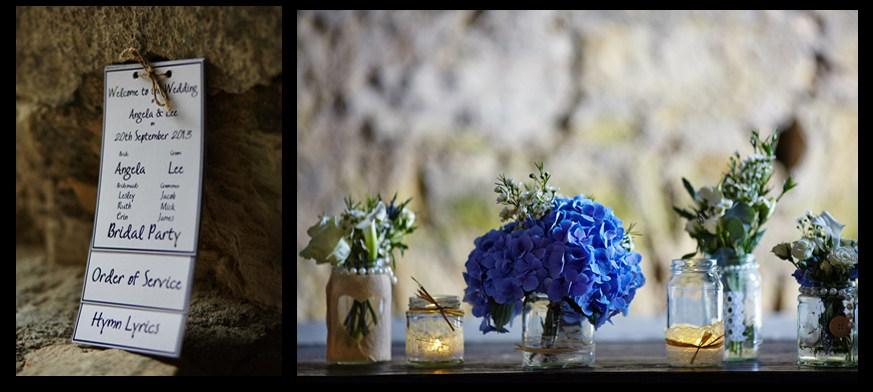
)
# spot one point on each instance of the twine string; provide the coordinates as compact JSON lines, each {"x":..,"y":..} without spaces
{"x":133,"y":54}
{"x":716,"y":343}
{"x":423,"y":294}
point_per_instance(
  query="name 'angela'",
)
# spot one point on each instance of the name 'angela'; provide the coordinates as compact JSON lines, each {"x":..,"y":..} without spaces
{"x":127,"y":171}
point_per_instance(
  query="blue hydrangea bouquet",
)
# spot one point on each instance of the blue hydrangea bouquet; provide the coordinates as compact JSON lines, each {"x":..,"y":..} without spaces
{"x":573,"y":250}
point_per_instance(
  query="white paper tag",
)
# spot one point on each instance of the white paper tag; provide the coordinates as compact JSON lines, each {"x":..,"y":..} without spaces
{"x":147,"y":220}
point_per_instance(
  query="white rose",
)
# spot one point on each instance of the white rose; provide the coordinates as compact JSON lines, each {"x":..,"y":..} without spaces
{"x":327,"y":243}
{"x":802,"y":248}
{"x":843,"y":256}
{"x":783,"y":250}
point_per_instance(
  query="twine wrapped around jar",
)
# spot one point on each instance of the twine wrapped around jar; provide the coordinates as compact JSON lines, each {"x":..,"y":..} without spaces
{"x":423,"y":294}
{"x":704,"y":343}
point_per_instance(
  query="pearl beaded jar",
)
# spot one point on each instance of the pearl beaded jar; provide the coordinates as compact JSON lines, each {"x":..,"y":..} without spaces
{"x":430,"y":341}
{"x":827,"y":326}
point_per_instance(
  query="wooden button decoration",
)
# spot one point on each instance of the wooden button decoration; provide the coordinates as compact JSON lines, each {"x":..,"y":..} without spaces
{"x":839,"y":326}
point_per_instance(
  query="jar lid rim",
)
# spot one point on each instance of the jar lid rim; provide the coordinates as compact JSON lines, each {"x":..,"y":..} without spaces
{"x":697,"y":263}
{"x":445,"y":300}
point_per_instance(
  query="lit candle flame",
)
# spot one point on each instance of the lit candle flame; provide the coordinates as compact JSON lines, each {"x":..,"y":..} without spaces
{"x":437,"y":345}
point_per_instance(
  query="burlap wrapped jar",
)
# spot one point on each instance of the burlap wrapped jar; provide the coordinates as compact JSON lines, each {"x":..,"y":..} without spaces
{"x":343,"y":289}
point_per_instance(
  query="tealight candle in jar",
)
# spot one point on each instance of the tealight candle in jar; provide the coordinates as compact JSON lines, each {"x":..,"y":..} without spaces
{"x":430,"y":341}
{"x":695,"y":327}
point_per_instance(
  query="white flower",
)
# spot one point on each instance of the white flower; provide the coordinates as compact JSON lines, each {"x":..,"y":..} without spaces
{"x":378,"y":215}
{"x":843,"y":256}
{"x":711,"y":224}
{"x":802,"y":248}
{"x":723,"y":205}
{"x":327,"y":242}
{"x":783,"y":250}
{"x":819,"y":243}
{"x":766,"y":205}
{"x":372,"y":240}
{"x":408,"y":217}
{"x":833,"y":229}
{"x":507,"y":213}
{"x":709,"y":193}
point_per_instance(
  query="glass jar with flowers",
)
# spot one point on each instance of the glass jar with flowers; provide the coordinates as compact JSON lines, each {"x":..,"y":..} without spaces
{"x":827,"y":267}
{"x":727,"y":222}
{"x":567,"y":264}
{"x":359,"y":244}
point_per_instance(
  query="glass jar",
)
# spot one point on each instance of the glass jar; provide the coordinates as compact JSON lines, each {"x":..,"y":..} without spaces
{"x":430,"y":340}
{"x":554,"y":335}
{"x":827,"y":326}
{"x":742,"y":307}
{"x":695,"y":327}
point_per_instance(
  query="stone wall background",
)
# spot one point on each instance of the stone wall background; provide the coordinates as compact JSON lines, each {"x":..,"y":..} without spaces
{"x":235,"y":315}
{"x":621,"y":105}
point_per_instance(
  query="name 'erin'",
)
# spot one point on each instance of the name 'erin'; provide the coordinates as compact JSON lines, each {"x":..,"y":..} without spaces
{"x":130,"y":234}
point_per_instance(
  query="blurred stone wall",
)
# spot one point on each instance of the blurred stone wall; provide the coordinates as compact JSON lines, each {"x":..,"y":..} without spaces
{"x":234,"y":324}
{"x":619,"y":105}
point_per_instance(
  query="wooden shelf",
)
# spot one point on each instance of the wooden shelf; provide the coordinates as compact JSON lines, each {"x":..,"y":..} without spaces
{"x":615,"y":362}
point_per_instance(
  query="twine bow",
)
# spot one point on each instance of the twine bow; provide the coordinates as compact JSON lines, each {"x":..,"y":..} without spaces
{"x":716,"y":343}
{"x":133,"y":54}
{"x":423,"y":294}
